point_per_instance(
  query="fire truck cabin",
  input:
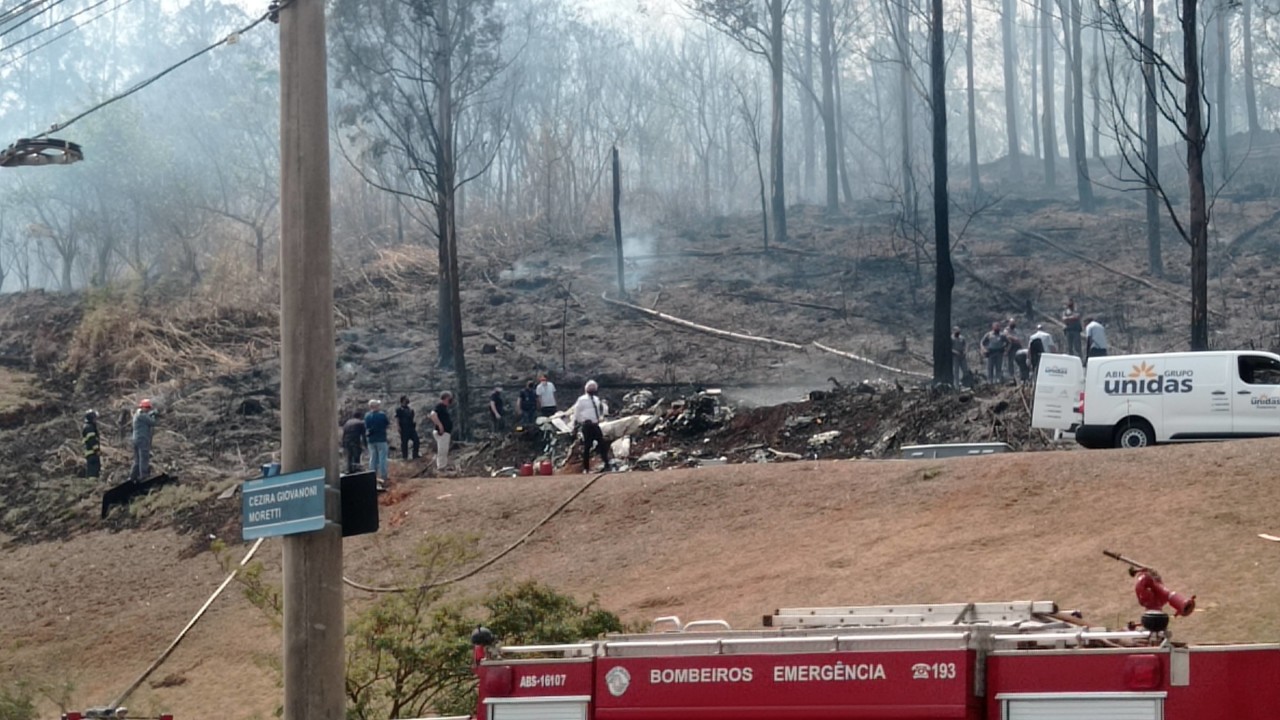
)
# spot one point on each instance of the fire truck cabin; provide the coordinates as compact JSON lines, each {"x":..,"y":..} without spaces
{"x":973,"y":661}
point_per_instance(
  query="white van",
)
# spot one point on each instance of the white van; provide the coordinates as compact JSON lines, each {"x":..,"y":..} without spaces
{"x":1140,"y":400}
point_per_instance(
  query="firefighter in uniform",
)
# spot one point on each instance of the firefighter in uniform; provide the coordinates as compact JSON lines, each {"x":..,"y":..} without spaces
{"x":92,"y":449}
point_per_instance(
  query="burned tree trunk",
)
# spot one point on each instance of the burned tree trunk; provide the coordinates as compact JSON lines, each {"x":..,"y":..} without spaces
{"x":776,"y":154}
{"x":1152,"y":160}
{"x":1250,"y":92}
{"x":1198,"y":209}
{"x":975,"y":177}
{"x":617,"y":221}
{"x":1084,"y":186}
{"x":826,"y":50}
{"x":1010,"y":44}
{"x":945,"y":279}
{"x":1050,"y":133}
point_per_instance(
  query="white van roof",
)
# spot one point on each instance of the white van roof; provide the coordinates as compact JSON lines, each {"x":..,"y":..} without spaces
{"x":1186,"y":354}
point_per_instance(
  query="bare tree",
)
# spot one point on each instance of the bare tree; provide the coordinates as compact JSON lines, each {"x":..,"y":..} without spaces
{"x":1047,"y":89}
{"x":749,"y":112}
{"x":1221,"y":29}
{"x":410,"y":72}
{"x":1009,"y":43}
{"x":1074,"y":20}
{"x":945,"y":278}
{"x":757,"y":25}
{"x":1161,"y":79}
{"x":1198,"y":209}
{"x":1250,"y":91}
{"x":1151,"y":136}
{"x":826,"y":52}
{"x":56,"y":228}
{"x":975,"y":177}
{"x":806,"y":101}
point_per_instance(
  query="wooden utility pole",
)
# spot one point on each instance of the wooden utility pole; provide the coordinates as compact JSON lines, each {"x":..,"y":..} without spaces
{"x":314,"y":680}
{"x":617,"y":220}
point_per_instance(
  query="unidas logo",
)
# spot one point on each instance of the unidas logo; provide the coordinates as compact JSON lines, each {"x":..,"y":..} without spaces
{"x":1142,"y":379}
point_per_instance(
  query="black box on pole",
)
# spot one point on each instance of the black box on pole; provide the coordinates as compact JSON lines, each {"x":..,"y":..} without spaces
{"x":359,"y":503}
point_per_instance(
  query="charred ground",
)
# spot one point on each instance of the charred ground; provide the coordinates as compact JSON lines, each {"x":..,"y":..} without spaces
{"x":859,"y":282}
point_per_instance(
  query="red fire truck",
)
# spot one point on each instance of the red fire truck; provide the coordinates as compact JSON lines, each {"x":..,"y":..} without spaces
{"x":973,"y":661}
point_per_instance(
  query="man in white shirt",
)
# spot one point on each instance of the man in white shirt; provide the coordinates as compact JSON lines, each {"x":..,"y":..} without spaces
{"x":1041,"y":342}
{"x":546,"y":392}
{"x":1095,"y":338}
{"x":588,"y":411}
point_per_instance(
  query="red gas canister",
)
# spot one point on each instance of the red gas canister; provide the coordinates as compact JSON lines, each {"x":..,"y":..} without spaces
{"x":546,"y":468}
{"x":526,"y":469}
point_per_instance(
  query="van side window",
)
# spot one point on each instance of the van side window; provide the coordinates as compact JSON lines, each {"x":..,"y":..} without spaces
{"x":1259,"y":370}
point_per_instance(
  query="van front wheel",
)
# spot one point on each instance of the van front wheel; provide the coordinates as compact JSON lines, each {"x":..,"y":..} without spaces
{"x":1135,"y":433}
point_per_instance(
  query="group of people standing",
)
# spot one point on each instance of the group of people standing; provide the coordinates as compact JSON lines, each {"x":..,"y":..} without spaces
{"x":369,"y":429}
{"x":1002,"y":347}
{"x":535,"y":400}
{"x":588,"y":411}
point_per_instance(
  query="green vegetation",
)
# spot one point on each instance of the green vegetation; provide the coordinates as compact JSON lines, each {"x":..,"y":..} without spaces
{"x":18,"y":697}
{"x":409,"y":652}
{"x":17,"y":701}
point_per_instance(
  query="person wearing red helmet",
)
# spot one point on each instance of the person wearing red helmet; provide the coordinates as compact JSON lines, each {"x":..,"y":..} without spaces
{"x":144,"y":424}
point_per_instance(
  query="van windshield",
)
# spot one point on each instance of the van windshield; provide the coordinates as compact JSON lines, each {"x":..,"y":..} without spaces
{"x":1259,"y":370}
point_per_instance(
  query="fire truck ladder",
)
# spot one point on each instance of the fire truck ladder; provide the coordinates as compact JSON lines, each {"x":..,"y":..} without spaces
{"x":875,"y":627}
{"x":1008,"y":614}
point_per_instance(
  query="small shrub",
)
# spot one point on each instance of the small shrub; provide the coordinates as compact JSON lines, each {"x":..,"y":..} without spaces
{"x":409,"y":652}
{"x":17,"y":701}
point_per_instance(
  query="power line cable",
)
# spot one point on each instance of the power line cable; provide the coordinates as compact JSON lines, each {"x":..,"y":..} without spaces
{"x":63,"y":34}
{"x":234,"y":36}
{"x":51,"y":26}
{"x":187,"y":628}
{"x":475,"y":570}
{"x":21,"y":8}
{"x":31,"y":17}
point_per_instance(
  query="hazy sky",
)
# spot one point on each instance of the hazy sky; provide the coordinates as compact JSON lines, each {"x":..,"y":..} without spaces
{"x":658,"y":11}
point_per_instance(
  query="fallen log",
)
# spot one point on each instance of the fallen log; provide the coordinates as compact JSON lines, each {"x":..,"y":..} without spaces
{"x":1008,"y":296}
{"x":869,"y":361}
{"x":1249,"y":234}
{"x":1108,"y":268}
{"x":740,"y":337}
{"x":726,"y":334}
{"x":755,"y":297}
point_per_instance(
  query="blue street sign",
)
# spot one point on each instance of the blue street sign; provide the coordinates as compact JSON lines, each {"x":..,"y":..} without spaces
{"x":283,"y":504}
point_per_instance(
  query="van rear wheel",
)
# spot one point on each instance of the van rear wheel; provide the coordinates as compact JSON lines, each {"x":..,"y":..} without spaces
{"x":1134,"y":433}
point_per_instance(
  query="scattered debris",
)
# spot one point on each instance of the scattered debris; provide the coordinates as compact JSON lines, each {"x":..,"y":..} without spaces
{"x":823,"y":439}
{"x":866,"y":419}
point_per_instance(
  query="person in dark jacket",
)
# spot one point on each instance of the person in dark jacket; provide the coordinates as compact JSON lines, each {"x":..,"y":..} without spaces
{"x":375,"y":431}
{"x":443,"y":421}
{"x":528,"y":402}
{"x":92,"y":448}
{"x":353,"y":441}
{"x":144,"y":424}
{"x":408,"y":428}
{"x":497,"y":410}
